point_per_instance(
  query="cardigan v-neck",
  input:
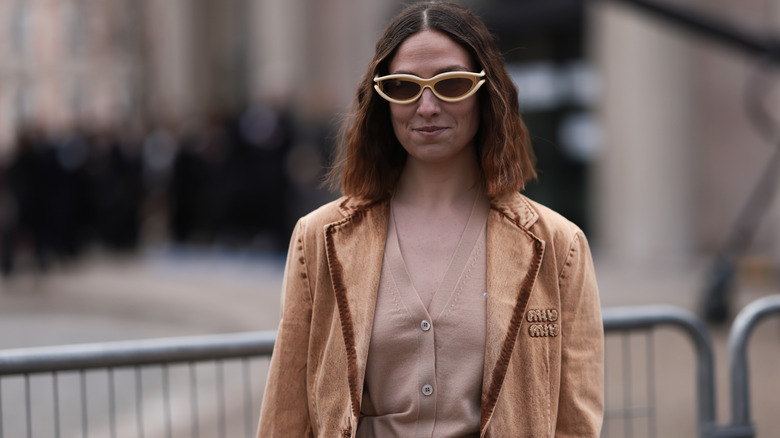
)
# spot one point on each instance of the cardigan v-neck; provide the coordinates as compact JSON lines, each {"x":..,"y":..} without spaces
{"x":424,"y":366}
{"x":436,"y":302}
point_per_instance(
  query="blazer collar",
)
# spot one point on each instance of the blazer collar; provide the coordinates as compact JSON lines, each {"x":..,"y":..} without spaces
{"x":355,"y":248}
{"x":514,"y":256}
{"x":516,"y":208}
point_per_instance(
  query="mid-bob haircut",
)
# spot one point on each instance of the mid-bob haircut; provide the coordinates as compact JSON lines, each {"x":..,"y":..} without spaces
{"x":369,"y":158}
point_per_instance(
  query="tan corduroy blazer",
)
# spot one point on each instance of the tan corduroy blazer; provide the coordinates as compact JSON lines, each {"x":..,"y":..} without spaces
{"x":543,"y":372}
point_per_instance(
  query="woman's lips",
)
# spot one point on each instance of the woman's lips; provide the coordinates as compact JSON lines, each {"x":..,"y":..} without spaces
{"x":430,"y":131}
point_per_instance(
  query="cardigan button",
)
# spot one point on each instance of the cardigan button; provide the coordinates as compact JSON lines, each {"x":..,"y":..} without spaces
{"x":425,"y":325}
{"x":427,"y":389}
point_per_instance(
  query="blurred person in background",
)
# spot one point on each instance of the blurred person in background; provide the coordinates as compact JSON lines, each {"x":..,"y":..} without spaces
{"x":24,"y":219}
{"x":67,"y":193}
{"x":228,"y":181}
{"x":117,"y":189}
{"x":65,"y":190}
{"x":433,"y":299}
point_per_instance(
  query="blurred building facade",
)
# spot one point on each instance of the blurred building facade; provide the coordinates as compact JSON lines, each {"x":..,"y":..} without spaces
{"x":682,"y":156}
{"x":671,"y":156}
{"x":65,"y":62}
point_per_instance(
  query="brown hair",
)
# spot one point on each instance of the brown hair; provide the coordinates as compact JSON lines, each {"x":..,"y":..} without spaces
{"x":370,"y":158}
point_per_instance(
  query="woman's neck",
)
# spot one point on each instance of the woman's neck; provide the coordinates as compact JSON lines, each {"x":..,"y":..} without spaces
{"x":434,"y":185}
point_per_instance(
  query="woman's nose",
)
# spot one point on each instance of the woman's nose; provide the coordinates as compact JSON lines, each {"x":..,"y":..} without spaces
{"x":429,"y":104}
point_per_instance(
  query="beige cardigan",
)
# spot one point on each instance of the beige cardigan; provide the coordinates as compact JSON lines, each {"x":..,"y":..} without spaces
{"x":433,"y":340}
{"x":543,"y":374}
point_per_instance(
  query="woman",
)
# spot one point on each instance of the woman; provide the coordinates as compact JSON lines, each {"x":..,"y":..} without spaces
{"x":433,"y":299}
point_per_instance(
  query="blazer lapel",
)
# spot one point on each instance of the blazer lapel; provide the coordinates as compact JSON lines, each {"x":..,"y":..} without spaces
{"x":355,"y":249}
{"x":514,"y":256}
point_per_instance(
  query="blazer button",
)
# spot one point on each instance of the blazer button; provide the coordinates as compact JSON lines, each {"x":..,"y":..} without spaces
{"x":425,"y":325}
{"x":427,"y":389}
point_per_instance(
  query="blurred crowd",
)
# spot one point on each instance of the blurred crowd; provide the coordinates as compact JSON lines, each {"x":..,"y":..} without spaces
{"x":230,"y":180}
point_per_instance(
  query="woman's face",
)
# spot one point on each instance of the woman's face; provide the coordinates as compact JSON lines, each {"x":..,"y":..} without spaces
{"x":429,"y":129}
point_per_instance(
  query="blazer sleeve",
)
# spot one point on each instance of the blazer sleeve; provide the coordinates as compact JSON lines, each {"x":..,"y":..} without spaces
{"x":285,"y":408}
{"x":581,"y":401}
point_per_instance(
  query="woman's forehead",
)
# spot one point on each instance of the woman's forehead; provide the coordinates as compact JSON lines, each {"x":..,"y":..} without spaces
{"x":429,"y":52}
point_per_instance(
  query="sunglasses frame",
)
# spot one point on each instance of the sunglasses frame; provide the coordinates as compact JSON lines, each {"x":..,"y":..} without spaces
{"x":430,"y":83}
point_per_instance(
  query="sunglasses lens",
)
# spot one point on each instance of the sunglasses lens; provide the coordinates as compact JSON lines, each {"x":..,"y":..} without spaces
{"x":454,"y":87}
{"x":400,"y":89}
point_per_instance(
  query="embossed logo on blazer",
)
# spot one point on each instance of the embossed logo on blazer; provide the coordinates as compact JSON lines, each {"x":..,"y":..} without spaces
{"x":537,"y":315}
{"x":546,"y":317}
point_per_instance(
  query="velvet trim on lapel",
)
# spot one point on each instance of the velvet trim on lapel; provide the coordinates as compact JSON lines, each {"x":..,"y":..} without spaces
{"x":514,"y":256}
{"x":355,"y":247}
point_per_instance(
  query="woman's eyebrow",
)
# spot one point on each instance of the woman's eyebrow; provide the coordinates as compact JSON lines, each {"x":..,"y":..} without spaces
{"x":439,"y":71}
{"x":452,"y":68}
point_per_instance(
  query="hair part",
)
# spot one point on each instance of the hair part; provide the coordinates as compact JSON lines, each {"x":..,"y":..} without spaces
{"x":369,"y":157}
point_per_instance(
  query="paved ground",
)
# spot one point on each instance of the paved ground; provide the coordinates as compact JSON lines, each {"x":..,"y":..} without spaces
{"x":172,"y":292}
{"x":162,"y":292}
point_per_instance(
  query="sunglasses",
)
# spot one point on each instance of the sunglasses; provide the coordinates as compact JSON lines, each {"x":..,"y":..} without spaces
{"x":451,"y":86}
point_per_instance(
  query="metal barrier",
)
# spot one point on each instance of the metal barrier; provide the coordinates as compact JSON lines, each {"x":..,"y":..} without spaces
{"x":741,"y":425}
{"x":627,"y":319}
{"x":24,"y":362}
{"x":217,"y":348}
{"x":114,"y":355}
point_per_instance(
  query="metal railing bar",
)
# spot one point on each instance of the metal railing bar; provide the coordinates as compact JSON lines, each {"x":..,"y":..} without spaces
{"x":651,"y":399}
{"x":84,"y":419}
{"x":744,"y":324}
{"x":56,"y":394}
{"x":626,"y":349}
{"x":111,"y":402}
{"x":247,"y":396}
{"x":139,"y":396}
{"x":219,"y":370}
{"x":28,"y":405}
{"x":645,"y":317}
{"x":194,"y":400}
{"x":132,"y":353}
{"x":167,"y":401}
